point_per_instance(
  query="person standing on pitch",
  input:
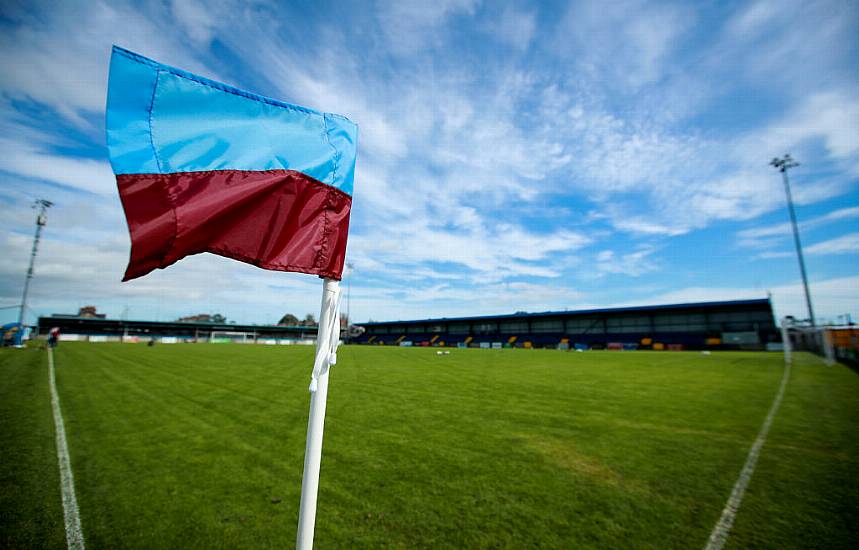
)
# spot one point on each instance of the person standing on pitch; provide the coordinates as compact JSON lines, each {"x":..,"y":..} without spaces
{"x":53,"y":337}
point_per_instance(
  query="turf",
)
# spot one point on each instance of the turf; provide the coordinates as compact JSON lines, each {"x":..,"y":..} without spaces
{"x":31,"y":514}
{"x":202,"y":447}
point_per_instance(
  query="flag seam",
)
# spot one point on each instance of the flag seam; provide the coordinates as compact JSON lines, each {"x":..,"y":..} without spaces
{"x":319,"y":261}
{"x":151,"y":132}
{"x":268,"y":171}
{"x":220,"y":86}
{"x":337,"y":153}
{"x":165,"y":184}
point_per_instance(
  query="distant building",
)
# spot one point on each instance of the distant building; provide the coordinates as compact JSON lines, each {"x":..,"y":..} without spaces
{"x":216,"y":318}
{"x":86,"y":312}
{"x":199,"y":318}
{"x":89,"y":312}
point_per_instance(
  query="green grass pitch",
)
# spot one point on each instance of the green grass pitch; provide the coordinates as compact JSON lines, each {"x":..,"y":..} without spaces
{"x":201,"y":446}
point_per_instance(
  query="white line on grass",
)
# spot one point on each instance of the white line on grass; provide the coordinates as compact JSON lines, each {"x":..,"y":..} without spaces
{"x":720,"y":532}
{"x":74,"y":535}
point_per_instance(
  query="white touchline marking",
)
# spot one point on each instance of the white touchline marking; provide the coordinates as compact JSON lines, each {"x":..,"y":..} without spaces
{"x":74,"y":535}
{"x":720,"y":532}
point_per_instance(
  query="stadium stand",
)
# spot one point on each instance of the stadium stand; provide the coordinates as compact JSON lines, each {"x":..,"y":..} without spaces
{"x":738,"y":324}
{"x":107,"y":330}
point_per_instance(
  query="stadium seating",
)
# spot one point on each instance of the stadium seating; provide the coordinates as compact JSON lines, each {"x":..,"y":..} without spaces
{"x":690,"y":340}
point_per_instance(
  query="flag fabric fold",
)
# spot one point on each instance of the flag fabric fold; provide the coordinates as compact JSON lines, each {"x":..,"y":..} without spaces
{"x":326,"y":348}
{"x":205,"y":167}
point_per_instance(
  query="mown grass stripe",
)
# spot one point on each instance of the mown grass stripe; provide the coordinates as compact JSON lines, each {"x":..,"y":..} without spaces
{"x":74,"y":534}
{"x":720,"y":533}
{"x":201,"y":446}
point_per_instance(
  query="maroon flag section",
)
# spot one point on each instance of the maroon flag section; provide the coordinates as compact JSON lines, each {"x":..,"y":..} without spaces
{"x":281,"y":220}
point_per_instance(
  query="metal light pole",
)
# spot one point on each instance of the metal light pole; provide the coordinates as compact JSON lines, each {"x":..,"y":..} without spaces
{"x":41,"y":220}
{"x":783,"y":165}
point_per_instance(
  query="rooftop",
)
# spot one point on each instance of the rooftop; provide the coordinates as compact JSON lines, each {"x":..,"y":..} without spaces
{"x":521,"y":314}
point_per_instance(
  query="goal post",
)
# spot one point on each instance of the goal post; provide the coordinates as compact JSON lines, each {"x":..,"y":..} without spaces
{"x":819,"y":340}
{"x":787,"y":345}
{"x":828,"y":346}
{"x":231,"y":337}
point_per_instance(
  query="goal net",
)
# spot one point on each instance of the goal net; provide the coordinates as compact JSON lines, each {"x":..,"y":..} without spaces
{"x":231,"y":337}
{"x":801,"y":336}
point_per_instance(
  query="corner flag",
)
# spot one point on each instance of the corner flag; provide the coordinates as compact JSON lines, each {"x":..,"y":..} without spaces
{"x":205,"y":167}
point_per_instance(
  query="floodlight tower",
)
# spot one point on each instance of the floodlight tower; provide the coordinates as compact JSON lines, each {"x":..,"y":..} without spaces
{"x":783,"y":165}
{"x":41,"y":220}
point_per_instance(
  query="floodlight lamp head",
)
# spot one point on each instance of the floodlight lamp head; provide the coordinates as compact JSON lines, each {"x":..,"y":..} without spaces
{"x":782,"y":164}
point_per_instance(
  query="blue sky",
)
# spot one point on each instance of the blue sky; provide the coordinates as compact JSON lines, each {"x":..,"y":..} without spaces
{"x":513,"y":156}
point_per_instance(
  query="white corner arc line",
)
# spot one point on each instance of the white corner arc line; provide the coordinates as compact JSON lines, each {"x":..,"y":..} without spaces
{"x":74,"y":534}
{"x":720,"y":532}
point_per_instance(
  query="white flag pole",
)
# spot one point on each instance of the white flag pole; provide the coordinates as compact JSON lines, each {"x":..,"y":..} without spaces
{"x":327,"y":339}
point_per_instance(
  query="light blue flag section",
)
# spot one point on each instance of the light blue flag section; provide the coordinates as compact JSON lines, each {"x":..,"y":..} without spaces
{"x":165,"y":120}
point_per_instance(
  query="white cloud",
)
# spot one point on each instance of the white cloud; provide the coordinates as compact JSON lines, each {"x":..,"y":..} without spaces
{"x":92,"y":176}
{"x":646,"y":227}
{"x":830,"y":116}
{"x":773,"y":255}
{"x":840,"y":214}
{"x":792,"y":44}
{"x":769,"y":236}
{"x":810,"y":190}
{"x":632,"y":264}
{"x":757,"y":17}
{"x":196,"y":19}
{"x":831,"y":297}
{"x":639,"y":158}
{"x":412,"y":26}
{"x":488,"y":254}
{"x":764,"y":236}
{"x":625,"y":42}
{"x":514,"y":27}
{"x":686,"y":182}
{"x":60,"y":59}
{"x":844,"y":244}
{"x":449,"y":301}
{"x":834,"y":117}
